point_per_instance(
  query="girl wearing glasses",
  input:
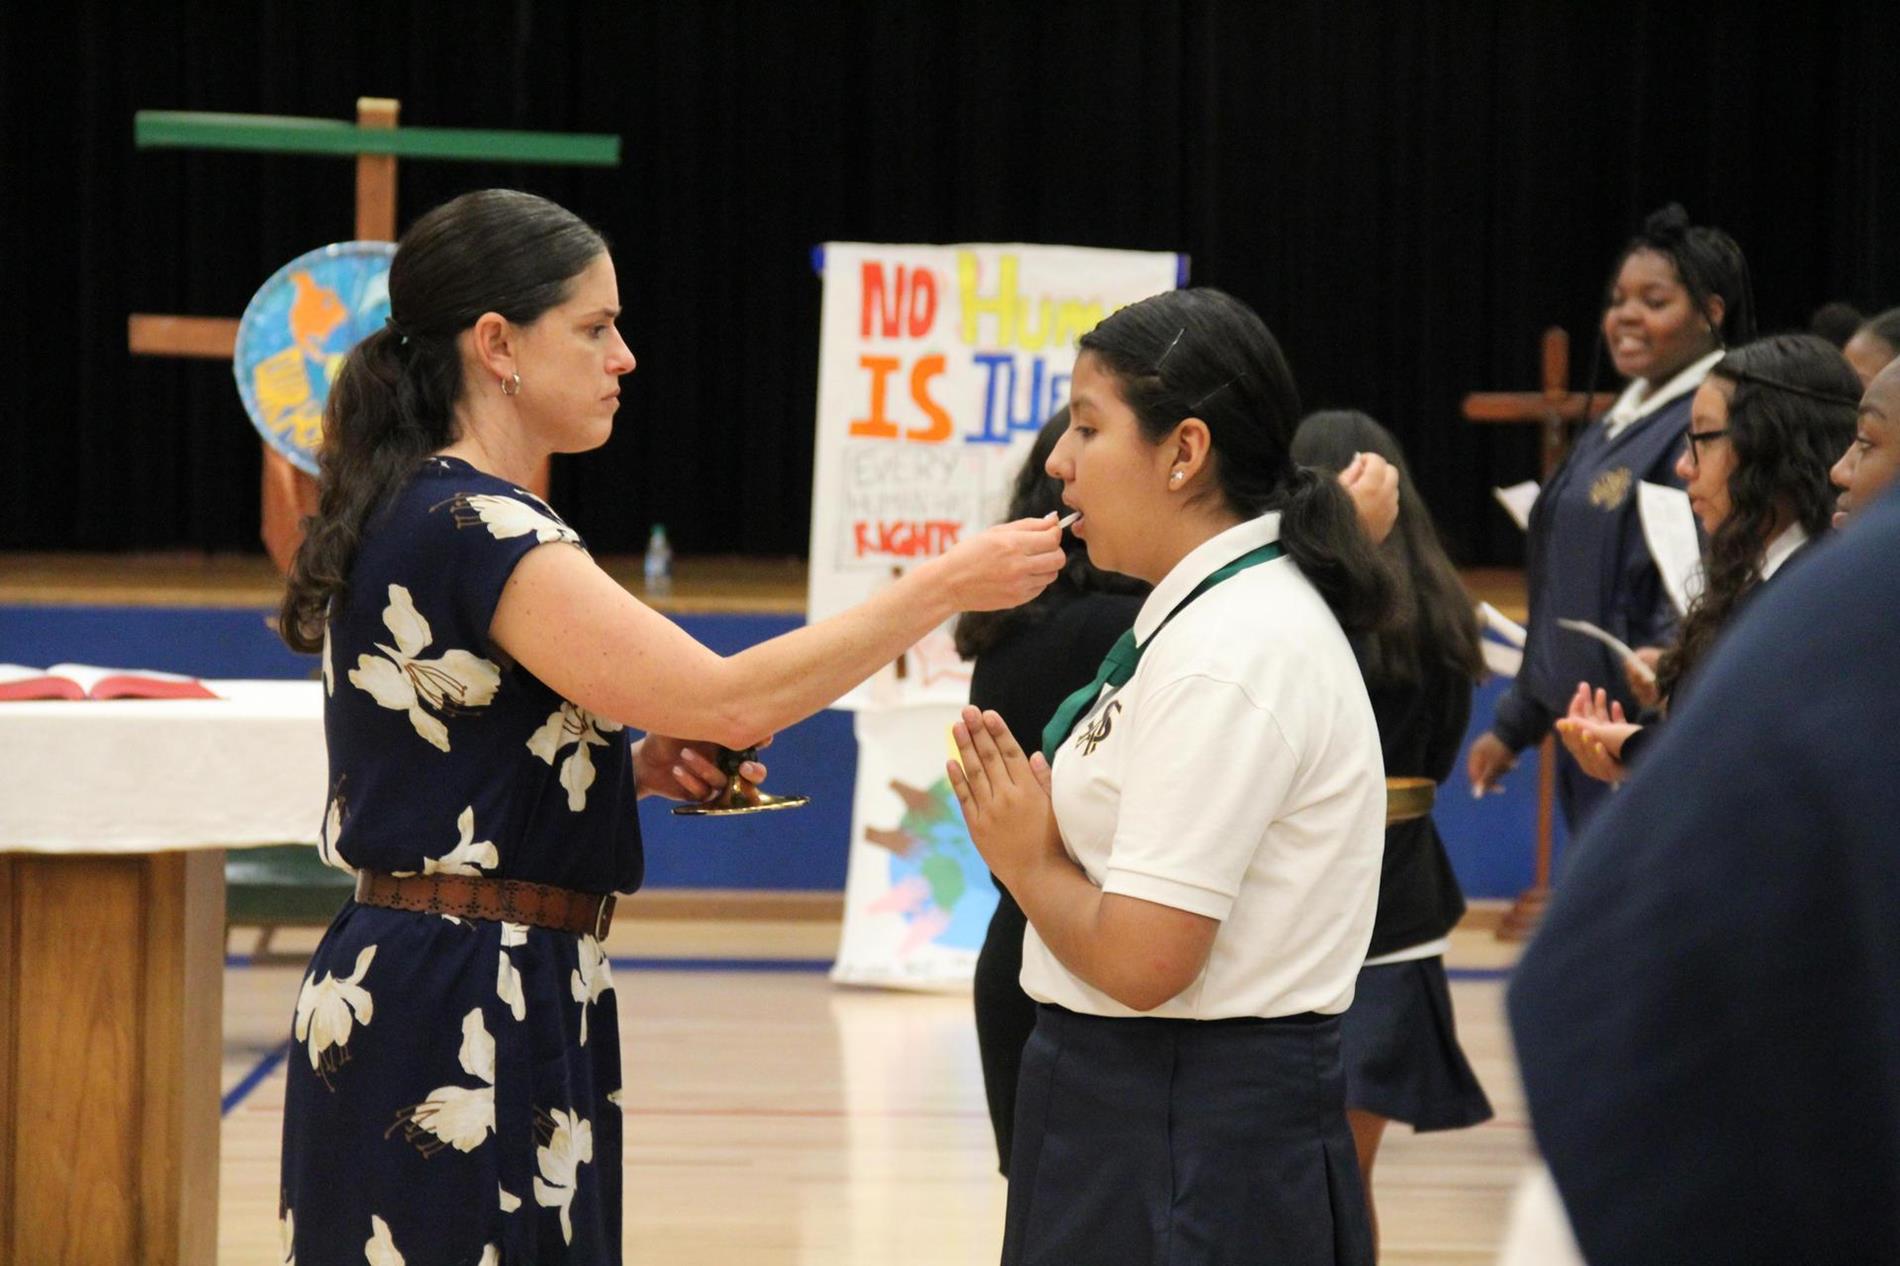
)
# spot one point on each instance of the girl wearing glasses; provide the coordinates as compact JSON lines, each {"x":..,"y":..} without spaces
{"x":1763,"y":432}
{"x":1678,"y":296}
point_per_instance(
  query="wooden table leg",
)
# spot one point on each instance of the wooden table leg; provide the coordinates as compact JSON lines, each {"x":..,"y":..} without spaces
{"x":111,"y":1011}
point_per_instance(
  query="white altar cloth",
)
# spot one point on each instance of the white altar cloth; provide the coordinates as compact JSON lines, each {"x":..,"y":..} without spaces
{"x":155,"y":775}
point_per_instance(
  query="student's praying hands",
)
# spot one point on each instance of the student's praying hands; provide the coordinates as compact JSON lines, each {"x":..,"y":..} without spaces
{"x":1005,"y":797}
{"x":1594,"y":731}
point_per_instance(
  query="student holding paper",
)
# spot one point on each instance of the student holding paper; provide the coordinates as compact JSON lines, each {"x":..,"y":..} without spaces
{"x":1200,"y":867}
{"x":454,"y":1085}
{"x":1763,"y":434}
{"x":1679,"y":293}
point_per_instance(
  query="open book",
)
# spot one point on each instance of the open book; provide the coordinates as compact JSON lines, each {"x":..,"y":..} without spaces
{"x":86,"y":681}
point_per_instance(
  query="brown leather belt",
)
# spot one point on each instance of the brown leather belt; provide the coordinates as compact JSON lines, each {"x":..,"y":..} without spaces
{"x":484,"y":897}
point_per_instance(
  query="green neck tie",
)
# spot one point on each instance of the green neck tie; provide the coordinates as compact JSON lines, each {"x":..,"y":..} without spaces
{"x":1119,"y":665}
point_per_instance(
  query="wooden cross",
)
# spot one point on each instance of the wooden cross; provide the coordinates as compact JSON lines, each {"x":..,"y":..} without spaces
{"x":1551,"y":410}
{"x":374,"y":140}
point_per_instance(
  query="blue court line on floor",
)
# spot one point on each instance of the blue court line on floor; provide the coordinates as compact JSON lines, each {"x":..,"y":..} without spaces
{"x":252,"y":1080}
{"x":1478,"y":973}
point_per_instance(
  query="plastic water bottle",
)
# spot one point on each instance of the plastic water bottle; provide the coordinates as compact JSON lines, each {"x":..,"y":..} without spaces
{"x":659,"y":563}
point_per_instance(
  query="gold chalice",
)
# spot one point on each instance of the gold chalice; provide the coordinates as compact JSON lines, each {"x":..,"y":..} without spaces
{"x":739,"y":796}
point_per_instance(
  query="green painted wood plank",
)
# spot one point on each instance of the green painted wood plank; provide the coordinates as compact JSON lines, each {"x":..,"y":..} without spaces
{"x":277,"y":134}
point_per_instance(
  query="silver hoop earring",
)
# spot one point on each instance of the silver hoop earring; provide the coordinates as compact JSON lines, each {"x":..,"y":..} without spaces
{"x":511,"y":385}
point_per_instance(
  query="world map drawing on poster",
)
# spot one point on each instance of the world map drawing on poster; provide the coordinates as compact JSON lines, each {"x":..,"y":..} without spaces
{"x":939,"y":884}
{"x":294,"y":335}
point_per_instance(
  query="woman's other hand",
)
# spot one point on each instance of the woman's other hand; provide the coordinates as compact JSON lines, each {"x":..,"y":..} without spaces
{"x":681,"y":770}
{"x":1373,"y":484}
{"x":1004,"y":566}
{"x":1643,"y":683}
{"x":1005,"y":797}
{"x":1594,"y":731}
{"x":1487,"y":764}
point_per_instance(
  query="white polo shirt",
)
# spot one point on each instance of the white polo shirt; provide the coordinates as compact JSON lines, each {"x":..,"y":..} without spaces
{"x":1237,"y":775}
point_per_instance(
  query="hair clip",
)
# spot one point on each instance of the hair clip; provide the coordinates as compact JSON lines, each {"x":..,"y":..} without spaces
{"x":1216,"y":391}
{"x":1164,"y":356}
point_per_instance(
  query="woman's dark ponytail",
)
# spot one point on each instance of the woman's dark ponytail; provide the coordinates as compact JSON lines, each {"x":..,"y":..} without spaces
{"x":393,"y":400}
{"x":1203,"y":353}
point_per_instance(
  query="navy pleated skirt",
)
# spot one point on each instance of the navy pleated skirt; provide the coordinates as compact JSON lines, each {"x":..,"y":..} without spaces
{"x":1400,"y":1042}
{"x":1148,"y":1142}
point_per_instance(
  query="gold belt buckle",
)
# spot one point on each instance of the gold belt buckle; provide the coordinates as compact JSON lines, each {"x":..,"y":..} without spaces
{"x":603,"y":916}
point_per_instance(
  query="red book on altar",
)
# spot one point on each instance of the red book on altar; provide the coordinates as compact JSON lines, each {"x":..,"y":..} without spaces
{"x":87,"y":681}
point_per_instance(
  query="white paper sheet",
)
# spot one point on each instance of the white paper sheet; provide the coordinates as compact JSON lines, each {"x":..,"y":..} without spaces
{"x":1517,"y":501}
{"x":1669,"y":531}
{"x":1610,"y":640}
{"x":1502,"y":643}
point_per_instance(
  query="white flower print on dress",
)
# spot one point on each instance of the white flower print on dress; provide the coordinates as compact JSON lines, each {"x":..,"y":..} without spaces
{"x":570,"y":1145}
{"x":381,"y":1249}
{"x":332,"y":831}
{"x":508,"y":1203}
{"x":456,"y":681}
{"x":591,"y":977}
{"x":572,"y":724}
{"x":504,"y":517}
{"x":514,"y":933}
{"x":328,"y":1009}
{"x":508,"y":987}
{"x":470,"y":856}
{"x":461,"y":1117}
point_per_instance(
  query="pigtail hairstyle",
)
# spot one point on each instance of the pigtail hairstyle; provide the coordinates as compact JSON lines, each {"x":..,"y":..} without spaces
{"x":1434,"y":623}
{"x":1202,"y":353}
{"x":1790,"y":418}
{"x":393,"y":401}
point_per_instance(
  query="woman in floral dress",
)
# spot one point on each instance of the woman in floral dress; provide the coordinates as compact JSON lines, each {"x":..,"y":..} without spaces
{"x":455,"y":1081}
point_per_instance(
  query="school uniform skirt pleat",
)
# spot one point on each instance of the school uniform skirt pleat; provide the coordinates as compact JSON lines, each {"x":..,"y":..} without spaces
{"x":1400,"y":1044}
{"x":1152,"y":1142}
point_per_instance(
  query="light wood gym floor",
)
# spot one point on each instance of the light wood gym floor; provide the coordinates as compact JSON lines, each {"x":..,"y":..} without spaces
{"x":774,"y":1119}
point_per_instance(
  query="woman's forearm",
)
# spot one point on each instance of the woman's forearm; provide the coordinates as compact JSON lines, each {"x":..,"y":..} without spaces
{"x":767,"y":687}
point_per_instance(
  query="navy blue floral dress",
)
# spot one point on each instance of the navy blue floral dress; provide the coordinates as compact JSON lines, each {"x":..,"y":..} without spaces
{"x":454,"y":1084}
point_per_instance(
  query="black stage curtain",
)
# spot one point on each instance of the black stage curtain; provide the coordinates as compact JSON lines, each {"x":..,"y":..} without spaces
{"x":1408,"y":191}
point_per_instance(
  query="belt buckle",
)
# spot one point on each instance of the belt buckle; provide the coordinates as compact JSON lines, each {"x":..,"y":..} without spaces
{"x":603,"y":916}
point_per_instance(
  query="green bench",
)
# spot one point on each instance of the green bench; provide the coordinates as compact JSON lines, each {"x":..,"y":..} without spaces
{"x":280,"y":885}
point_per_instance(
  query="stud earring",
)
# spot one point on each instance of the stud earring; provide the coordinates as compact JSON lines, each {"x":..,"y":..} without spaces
{"x":511,"y":385}
{"x":1177,"y":476}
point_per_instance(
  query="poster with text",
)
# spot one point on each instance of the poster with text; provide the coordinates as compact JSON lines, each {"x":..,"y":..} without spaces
{"x":937,"y":365}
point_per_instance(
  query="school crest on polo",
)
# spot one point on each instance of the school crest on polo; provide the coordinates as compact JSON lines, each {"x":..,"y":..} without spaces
{"x":1612,"y":488}
{"x":1088,"y":740}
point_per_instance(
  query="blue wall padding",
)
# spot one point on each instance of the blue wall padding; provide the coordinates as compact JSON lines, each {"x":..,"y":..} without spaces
{"x":1489,"y":841}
